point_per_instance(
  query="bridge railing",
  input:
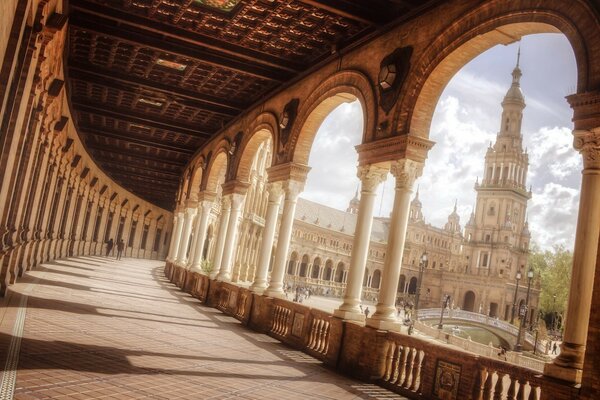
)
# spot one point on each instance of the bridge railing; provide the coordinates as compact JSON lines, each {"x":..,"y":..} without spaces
{"x":434,"y":313}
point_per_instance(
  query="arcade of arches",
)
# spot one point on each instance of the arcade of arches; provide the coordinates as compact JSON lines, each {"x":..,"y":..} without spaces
{"x":184,"y":128}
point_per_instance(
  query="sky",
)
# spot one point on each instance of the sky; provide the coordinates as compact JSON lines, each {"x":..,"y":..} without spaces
{"x":466,"y":120}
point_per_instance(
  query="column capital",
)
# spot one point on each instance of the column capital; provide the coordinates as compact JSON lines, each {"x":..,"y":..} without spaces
{"x":275,"y":190}
{"x":371,"y":176}
{"x":292,"y":189}
{"x":587,"y":142}
{"x":191,"y":211}
{"x":406,"y":172}
{"x":288,"y":171}
{"x":206,"y":196}
{"x":235,"y":187}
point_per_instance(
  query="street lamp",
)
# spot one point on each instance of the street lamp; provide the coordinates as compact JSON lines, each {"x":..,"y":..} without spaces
{"x":422,"y":265}
{"x":514,"y":307}
{"x":445,"y":304}
{"x":523,"y":312}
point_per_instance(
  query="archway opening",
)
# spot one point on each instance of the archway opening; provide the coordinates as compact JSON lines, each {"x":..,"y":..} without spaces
{"x":469,"y":301}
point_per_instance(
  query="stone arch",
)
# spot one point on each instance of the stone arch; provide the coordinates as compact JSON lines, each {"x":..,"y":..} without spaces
{"x":376,"y":279}
{"x":339,"y":272}
{"x":412,"y":285}
{"x":328,"y":270}
{"x":341,"y":87}
{"x":316,"y":268}
{"x":197,"y":171}
{"x":292,"y":263}
{"x":401,"y":283}
{"x":366,"y":277}
{"x":477,"y":31}
{"x":304,"y":266}
{"x":216,"y":171}
{"x":469,"y":301}
{"x":262,"y":128}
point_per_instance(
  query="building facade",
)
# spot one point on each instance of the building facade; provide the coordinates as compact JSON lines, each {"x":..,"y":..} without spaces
{"x":477,"y":269}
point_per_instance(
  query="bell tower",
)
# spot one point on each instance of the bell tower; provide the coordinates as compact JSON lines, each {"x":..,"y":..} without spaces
{"x":497,"y":234}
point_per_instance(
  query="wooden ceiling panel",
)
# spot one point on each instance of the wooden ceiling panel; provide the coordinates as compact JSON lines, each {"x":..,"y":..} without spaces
{"x":151,"y":80}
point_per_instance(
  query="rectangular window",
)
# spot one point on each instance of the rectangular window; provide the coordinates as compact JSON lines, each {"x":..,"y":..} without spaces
{"x":144,"y":237}
{"x":97,"y":223}
{"x":157,"y":239}
{"x":111,"y":215}
{"x":88,"y":214}
{"x":121,"y":227}
{"x":132,"y":233}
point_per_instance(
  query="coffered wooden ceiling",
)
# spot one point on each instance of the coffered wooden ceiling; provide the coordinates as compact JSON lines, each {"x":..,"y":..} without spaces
{"x":151,"y":80}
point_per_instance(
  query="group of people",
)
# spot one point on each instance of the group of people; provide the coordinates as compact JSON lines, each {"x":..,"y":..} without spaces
{"x":110,"y":245}
{"x":300,"y":293}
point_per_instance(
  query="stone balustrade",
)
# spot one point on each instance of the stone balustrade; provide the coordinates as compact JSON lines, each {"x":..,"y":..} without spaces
{"x":408,"y":365}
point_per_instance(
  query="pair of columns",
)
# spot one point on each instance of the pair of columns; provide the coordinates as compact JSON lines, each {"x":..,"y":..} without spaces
{"x":405,"y":173}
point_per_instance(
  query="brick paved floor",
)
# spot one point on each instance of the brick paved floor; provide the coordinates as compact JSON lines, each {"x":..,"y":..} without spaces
{"x":98,"y":328}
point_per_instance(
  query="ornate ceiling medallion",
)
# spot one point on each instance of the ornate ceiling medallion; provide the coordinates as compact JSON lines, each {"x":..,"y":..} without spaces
{"x":223,"y":5}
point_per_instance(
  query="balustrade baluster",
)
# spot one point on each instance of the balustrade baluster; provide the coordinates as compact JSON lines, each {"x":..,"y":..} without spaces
{"x":402,"y":366}
{"x":312,"y":336}
{"x":478,"y":387}
{"x":389,"y":361}
{"x":408,"y":368}
{"x":511,"y":389}
{"x":324,"y":338}
{"x":521,"y":392}
{"x":320,"y":328}
{"x":499,"y":390}
{"x":489,"y":384}
{"x":415,"y":370}
{"x":533,"y":392}
{"x":395,"y":377}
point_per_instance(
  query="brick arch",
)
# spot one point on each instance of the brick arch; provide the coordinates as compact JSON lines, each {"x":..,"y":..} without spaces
{"x":484,"y":27}
{"x":216,"y":169}
{"x":263,"y":128}
{"x":196,"y":179}
{"x":341,"y":87}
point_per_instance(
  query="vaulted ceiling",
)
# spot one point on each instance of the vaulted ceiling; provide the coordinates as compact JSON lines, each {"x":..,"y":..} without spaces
{"x":150,"y":81}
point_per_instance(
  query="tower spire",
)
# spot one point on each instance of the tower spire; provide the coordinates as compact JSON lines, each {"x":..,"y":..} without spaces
{"x":519,"y":55}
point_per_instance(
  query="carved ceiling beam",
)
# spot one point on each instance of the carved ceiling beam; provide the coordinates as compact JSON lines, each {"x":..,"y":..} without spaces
{"x":168,"y":181}
{"x":109,"y":78}
{"x":170,"y":45}
{"x":130,"y":116}
{"x":152,"y":158}
{"x":352,"y":10}
{"x":120,"y":167}
{"x":127,"y":137}
{"x":197,"y":39}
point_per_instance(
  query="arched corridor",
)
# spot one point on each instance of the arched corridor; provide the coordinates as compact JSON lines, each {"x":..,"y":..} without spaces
{"x":94,"y":326}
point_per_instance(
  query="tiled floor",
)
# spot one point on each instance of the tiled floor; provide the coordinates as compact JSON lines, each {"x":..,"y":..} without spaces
{"x":98,"y":328}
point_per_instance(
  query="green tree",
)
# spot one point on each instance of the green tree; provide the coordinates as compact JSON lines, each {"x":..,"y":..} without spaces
{"x":554,"y":268}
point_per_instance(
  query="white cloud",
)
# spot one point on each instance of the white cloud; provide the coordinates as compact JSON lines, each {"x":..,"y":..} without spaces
{"x":465,"y":122}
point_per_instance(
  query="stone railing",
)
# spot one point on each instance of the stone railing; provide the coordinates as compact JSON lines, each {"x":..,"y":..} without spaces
{"x":411,"y":366}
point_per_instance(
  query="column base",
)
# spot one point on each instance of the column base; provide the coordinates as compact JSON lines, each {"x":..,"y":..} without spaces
{"x":258,"y":288}
{"x":274,"y":293}
{"x":384,"y":325}
{"x":196,"y":268}
{"x":572,"y":375}
{"x":349,"y":315}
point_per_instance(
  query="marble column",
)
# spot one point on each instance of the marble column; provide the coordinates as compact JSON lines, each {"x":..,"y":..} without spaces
{"x":200,"y":238}
{"x":237,"y":200}
{"x":292,"y":190}
{"x":275,"y":190}
{"x":406,"y":172}
{"x":370,"y":176}
{"x":175,"y":237}
{"x":220,"y":244}
{"x":188,"y":220}
{"x":569,"y":363}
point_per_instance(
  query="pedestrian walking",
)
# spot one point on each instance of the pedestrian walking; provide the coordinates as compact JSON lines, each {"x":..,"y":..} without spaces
{"x":554,"y":348}
{"x":367,"y":312}
{"x":120,"y":247}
